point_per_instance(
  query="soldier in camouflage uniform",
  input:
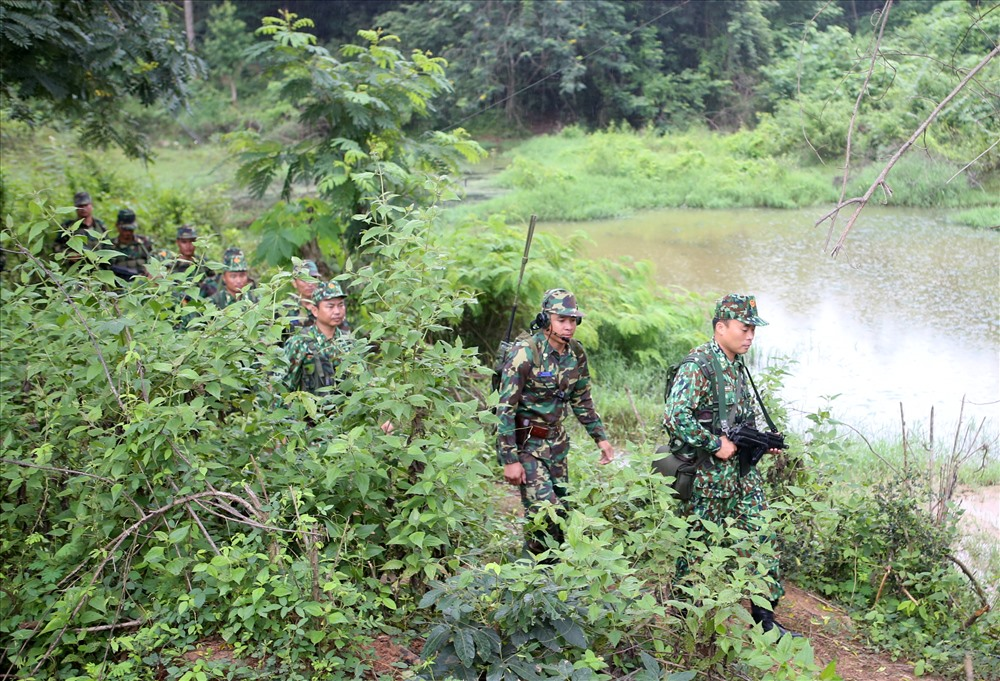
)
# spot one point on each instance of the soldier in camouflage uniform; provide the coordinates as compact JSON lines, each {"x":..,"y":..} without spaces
{"x":136,"y":249}
{"x":85,"y":215}
{"x":693,"y":418}
{"x":236,"y":282}
{"x":544,"y":377}
{"x":186,"y":260}
{"x":315,"y":354}
{"x":305,"y":277}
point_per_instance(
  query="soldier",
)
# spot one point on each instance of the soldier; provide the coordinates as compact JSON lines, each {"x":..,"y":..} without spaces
{"x":185,"y":259}
{"x":135,"y":249}
{"x":235,"y":280}
{"x":305,"y":277}
{"x":694,"y":419}
{"x":545,"y":376}
{"x":84,"y":214}
{"x":316,"y":352}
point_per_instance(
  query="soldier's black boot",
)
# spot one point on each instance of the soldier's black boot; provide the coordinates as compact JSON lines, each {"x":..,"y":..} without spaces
{"x":765,"y":618}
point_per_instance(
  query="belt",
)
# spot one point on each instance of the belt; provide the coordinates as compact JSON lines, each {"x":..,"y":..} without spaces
{"x":526,"y":428}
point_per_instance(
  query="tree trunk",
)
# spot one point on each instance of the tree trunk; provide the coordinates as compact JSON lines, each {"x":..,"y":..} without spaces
{"x":189,"y":23}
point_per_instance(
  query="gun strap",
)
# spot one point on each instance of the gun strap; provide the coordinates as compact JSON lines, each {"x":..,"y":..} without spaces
{"x":763,"y":409}
{"x":727,"y":411}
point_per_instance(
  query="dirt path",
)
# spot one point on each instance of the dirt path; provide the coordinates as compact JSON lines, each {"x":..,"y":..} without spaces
{"x":834,"y":637}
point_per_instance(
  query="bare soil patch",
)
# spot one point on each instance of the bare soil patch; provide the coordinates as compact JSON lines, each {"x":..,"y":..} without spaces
{"x":834,"y":638}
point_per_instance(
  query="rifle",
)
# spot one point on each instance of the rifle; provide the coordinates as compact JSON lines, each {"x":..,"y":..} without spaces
{"x":505,"y":344}
{"x":752,"y":444}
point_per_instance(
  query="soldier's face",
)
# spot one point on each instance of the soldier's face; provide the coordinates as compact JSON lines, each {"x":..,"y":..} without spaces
{"x":734,"y":337}
{"x":563,"y":326}
{"x":235,"y":281}
{"x":330,"y":313}
{"x":85,"y":211}
{"x":305,"y":288}
{"x":186,"y":247}
{"x":126,"y":236}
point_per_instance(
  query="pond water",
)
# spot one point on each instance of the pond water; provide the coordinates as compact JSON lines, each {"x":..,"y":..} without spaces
{"x":908,"y":313}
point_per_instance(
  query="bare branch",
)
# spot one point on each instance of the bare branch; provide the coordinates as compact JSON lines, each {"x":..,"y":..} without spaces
{"x":880,"y":180}
{"x":854,"y":117}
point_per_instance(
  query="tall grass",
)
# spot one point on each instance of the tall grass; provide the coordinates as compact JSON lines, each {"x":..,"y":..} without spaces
{"x":578,"y":176}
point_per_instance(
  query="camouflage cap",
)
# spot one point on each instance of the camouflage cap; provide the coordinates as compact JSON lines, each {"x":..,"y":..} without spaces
{"x":739,"y":307}
{"x":81,"y":199}
{"x":186,"y":232}
{"x":234,"y":260}
{"x":126,"y":218}
{"x":306,"y":268}
{"x":562,"y":302}
{"x":327,"y":290}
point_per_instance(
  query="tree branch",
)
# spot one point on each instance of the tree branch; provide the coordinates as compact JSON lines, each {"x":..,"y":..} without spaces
{"x":880,"y":180}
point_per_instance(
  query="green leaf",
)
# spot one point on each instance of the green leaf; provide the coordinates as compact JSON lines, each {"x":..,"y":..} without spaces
{"x":436,"y":639}
{"x":179,"y":534}
{"x":681,"y":676}
{"x":465,"y":646}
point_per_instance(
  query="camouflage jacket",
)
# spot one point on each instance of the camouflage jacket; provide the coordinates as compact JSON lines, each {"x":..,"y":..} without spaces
{"x":314,"y":360}
{"x":296,"y":315}
{"x":691,"y":417}
{"x":223,"y":298}
{"x":541,"y":389}
{"x":134,"y":255}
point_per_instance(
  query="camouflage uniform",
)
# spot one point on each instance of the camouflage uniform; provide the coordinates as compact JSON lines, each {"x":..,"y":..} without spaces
{"x":136,"y":253}
{"x":80,"y":199}
{"x":294,"y":309}
{"x":538,"y":386}
{"x":313,"y":359}
{"x":692,"y":417}
{"x":233,"y":261}
{"x":197,"y":269}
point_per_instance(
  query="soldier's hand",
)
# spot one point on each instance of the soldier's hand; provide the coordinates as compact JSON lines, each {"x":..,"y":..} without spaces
{"x":607,"y":452}
{"x":726,"y":450}
{"x":514,"y":473}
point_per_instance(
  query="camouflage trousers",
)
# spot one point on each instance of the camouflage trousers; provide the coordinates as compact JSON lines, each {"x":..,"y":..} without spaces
{"x":546,"y":481}
{"x":745,"y":504}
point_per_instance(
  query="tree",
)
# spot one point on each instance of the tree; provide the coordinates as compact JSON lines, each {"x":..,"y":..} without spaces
{"x":81,"y":59}
{"x":225,"y":44}
{"x":360,"y":136}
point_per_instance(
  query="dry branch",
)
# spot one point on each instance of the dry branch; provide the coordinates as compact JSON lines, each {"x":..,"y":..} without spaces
{"x":880,"y":181}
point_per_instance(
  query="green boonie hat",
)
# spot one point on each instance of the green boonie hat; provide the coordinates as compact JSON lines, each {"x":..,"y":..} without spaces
{"x":186,"y":232}
{"x":126,"y":218}
{"x":561,"y":301}
{"x":739,"y":307}
{"x":81,"y":199}
{"x":306,"y":268}
{"x":327,"y":290}
{"x":234,"y":260}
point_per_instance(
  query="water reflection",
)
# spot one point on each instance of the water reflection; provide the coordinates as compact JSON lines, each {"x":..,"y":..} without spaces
{"x":909,"y":312}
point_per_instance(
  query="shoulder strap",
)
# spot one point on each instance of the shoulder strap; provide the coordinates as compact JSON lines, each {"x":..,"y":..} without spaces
{"x":763,"y":409}
{"x":697,"y":358}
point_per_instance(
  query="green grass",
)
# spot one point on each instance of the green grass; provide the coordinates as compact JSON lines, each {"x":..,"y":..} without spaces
{"x":578,"y":176}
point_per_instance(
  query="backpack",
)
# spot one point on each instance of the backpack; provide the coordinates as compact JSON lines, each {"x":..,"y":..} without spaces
{"x":682,"y":466}
{"x":507,"y":346}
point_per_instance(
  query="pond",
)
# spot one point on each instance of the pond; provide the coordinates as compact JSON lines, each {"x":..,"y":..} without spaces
{"x":908,"y":313}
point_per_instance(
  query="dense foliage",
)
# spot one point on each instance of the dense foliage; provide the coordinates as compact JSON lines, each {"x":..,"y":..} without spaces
{"x":79,"y":60}
{"x":163,"y":497}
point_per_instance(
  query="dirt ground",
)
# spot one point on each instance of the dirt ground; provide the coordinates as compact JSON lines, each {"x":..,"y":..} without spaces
{"x":833,"y":637}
